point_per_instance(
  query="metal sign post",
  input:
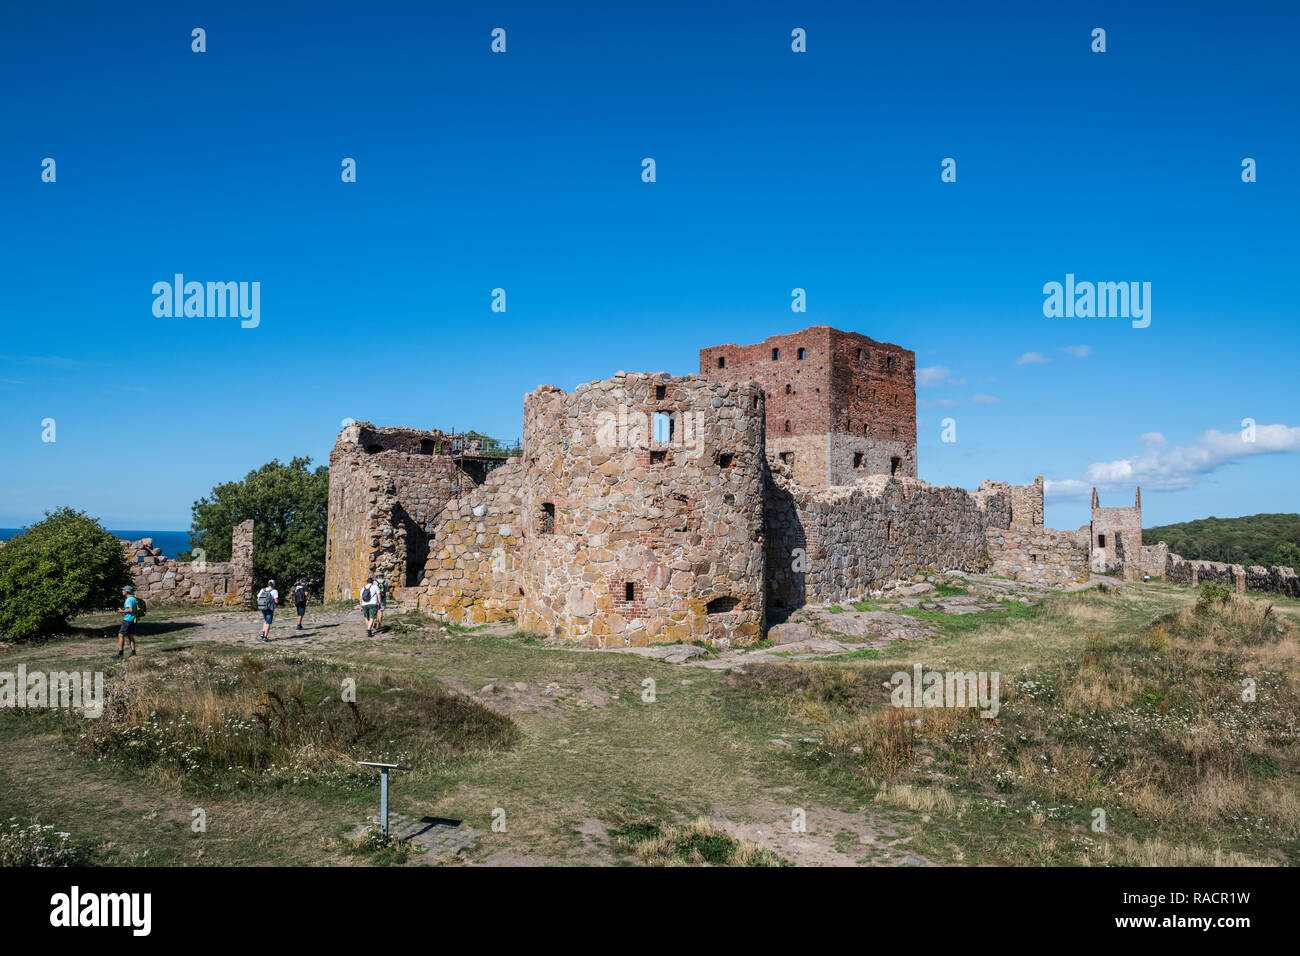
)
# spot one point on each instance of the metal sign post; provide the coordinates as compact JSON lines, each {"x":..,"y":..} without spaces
{"x":383,"y":788}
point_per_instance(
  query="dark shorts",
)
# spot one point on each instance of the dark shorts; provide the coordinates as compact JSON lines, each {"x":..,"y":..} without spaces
{"x":301,"y":609}
{"x":127,"y":629}
{"x":370,"y":610}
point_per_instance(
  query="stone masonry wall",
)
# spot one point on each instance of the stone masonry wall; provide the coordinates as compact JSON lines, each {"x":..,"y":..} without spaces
{"x":1190,"y":573}
{"x":836,"y":544}
{"x":473,"y":568}
{"x":635,"y":533}
{"x":162,"y":580}
{"x":387,"y":485}
{"x":1027,"y":505}
{"x":1039,"y":555}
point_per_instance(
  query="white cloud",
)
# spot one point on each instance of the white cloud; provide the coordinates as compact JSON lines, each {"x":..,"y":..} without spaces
{"x":986,"y":400}
{"x":1078,"y":351}
{"x":1165,"y":470}
{"x":1153,"y":440}
{"x":956,"y":381}
{"x":1032,"y":358}
{"x":934,"y":375}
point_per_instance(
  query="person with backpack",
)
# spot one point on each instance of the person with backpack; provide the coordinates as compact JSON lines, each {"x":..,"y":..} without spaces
{"x":267,"y":599}
{"x":381,"y":582}
{"x":370,"y":604}
{"x":300,"y":600}
{"x":130,"y":606}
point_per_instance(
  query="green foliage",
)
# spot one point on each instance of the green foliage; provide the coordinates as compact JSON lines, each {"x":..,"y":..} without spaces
{"x":1212,"y":593}
{"x":289,"y":505}
{"x":1265,"y":539}
{"x":35,"y":845}
{"x":62,"y":566}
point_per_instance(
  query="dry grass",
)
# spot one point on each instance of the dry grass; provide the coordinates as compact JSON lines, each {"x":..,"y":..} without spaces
{"x":699,"y":843}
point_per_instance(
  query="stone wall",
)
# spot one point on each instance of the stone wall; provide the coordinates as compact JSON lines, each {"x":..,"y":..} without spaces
{"x":1116,"y":537}
{"x":633,"y":532}
{"x":162,"y":580}
{"x":1191,"y":573}
{"x":1039,"y":555}
{"x":473,"y":570}
{"x":387,"y":486}
{"x":836,"y":544}
{"x":1027,"y":505}
{"x":1152,"y":560}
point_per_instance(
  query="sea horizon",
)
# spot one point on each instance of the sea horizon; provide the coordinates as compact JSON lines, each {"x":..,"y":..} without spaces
{"x":172,"y":543}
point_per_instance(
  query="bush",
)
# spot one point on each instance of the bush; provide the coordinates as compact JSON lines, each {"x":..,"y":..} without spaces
{"x":1212,"y":593}
{"x":62,"y":566}
{"x":36,"y":845}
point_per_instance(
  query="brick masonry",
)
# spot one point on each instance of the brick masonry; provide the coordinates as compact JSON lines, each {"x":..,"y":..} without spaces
{"x":839,"y":405}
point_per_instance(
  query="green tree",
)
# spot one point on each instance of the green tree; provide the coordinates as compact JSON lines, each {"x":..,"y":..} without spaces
{"x":289,"y":505}
{"x":62,"y":566}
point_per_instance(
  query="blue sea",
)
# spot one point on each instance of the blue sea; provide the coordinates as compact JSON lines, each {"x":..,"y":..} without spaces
{"x":171,"y":542}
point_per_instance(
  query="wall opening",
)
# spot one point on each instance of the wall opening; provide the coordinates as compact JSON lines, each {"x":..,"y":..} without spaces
{"x":722,"y":361}
{"x":722,"y":605}
{"x":787,"y":424}
{"x":374,"y":449}
{"x":803,"y":354}
{"x":889,"y":362}
{"x":776,"y":354}
{"x":726,"y":459}
{"x":788,"y":458}
{"x":895,"y":434}
{"x":860,"y":355}
{"x":660,"y":391}
{"x":894,"y":464}
{"x":548,"y":518}
{"x":426,"y":446}
{"x":659,"y":457}
{"x":629,"y":591}
{"x":756,"y":401}
{"x":662,"y":428}
{"x":788,"y":390}
{"x":857,"y":459}
{"x":1101,"y":541}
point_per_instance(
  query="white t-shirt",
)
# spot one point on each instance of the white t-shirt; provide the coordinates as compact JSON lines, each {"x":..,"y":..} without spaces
{"x":275,"y":596}
{"x":374,"y":593}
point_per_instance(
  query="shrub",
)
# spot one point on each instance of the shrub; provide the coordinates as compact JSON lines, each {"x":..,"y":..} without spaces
{"x":1212,"y":593}
{"x":36,"y":845}
{"x":62,"y":566}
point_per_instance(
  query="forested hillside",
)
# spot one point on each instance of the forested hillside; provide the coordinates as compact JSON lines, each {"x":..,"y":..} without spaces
{"x":1254,"y":539}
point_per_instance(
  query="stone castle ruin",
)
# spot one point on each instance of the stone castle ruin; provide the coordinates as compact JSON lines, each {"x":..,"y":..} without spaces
{"x":162,"y":580}
{"x":650,"y":507}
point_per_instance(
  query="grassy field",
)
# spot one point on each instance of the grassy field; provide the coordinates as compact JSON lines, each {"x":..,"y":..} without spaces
{"x":1124,"y":707}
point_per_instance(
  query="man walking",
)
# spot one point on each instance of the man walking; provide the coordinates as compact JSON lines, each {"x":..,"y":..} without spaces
{"x":370,"y":604}
{"x":300,"y":600}
{"x":267,"y":599}
{"x":129,"y":605}
{"x":382,"y":583}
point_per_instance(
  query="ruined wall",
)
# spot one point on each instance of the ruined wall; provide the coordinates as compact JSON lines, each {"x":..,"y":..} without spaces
{"x":1027,"y":505}
{"x":387,"y":485}
{"x":162,"y":580}
{"x":473,"y":568}
{"x":1039,"y":555}
{"x":1152,"y":561}
{"x":1276,"y":580}
{"x":631,"y":534}
{"x":1117,"y":536}
{"x":836,"y":544}
{"x":839,"y":405}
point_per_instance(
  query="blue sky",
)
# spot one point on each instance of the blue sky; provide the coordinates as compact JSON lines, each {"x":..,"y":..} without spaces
{"x":522,"y":171}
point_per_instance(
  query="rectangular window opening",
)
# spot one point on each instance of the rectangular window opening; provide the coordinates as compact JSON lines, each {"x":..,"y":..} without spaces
{"x":548,"y":517}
